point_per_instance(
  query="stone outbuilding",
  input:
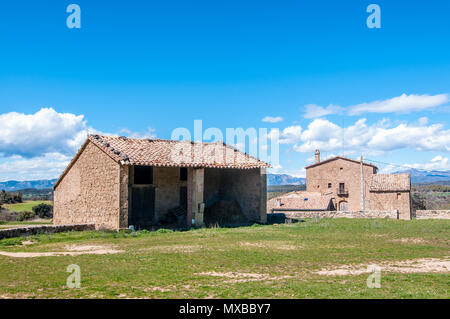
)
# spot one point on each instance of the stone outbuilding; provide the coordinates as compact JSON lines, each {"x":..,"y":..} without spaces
{"x":115,"y":182}
{"x":356,"y":186}
{"x":300,"y":201}
{"x":391,"y":191}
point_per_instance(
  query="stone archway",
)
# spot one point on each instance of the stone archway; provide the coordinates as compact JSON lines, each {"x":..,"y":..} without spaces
{"x":343,"y":206}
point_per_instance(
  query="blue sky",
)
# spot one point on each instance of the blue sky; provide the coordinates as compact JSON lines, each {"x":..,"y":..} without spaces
{"x":144,"y":68}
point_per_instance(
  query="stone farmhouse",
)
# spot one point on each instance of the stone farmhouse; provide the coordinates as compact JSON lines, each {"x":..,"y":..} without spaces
{"x":115,"y":182}
{"x":349,"y":185}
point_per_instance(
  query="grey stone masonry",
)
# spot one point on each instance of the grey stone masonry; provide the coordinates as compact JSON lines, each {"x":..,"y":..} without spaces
{"x":43,"y":229}
{"x":432,"y":214}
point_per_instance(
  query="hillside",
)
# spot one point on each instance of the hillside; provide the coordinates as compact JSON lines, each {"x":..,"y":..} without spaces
{"x":424,"y":177}
{"x":417,"y":177}
{"x":18,"y":185}
{"x":284,"y":179}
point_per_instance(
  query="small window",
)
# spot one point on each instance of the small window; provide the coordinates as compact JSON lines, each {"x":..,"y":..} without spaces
{"x":329,"y":185}
{"x":183,"y":173}
{"x":341,"y":169}
{"x":318,"y":186}
{"x":143,"y":175}
{"x":399,"y":195}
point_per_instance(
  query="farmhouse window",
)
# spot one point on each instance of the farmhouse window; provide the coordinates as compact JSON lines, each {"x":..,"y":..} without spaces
{"x":143,"y":175}
{"x":183,"y":173}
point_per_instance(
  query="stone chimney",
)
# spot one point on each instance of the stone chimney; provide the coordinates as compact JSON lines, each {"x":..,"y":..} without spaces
{"x":317,"y":156}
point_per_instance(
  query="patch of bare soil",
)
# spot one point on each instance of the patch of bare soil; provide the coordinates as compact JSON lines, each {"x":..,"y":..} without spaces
{"x":270,"y":245}
{"x":235,"y":277}
{"x":28,"y":242}
{"x":176,"y":248}
{"x":410,"y":240}
{"x":421,"y":265}
{"x":72,"y":250}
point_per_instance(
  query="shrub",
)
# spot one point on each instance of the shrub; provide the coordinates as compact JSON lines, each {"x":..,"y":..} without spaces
{"x":25,"y":216}
{"x":11,"y":241}
{"x":43,"y":210}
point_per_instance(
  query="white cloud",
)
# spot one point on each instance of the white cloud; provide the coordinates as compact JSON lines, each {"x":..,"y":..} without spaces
{"x":272,"y":119}
{"x":150,"y":133}
{"x":437,"y":163}
{"x":45,"y":131}
{"x":423,"y":121}
{"x":40,"y":145}
{"x":401,"y":104}
{"x":48,"y":166}
{"x":373,"y":139}
{"x":313,"y":110}
{"x":289,"y":135}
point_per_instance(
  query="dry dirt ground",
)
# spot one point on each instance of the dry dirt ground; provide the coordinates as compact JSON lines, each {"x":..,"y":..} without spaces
{"x":71,"y":250}
{"x":421,"y":265}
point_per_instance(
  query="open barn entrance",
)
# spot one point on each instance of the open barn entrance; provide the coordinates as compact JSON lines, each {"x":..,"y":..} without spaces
{"x":142,"y":208}
{"x":232,"y":197}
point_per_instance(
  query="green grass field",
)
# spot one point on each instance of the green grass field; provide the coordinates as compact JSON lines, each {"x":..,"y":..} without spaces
{"x":273,"y":261}
{"x":14,"y":224}
{"x":25,"y":206}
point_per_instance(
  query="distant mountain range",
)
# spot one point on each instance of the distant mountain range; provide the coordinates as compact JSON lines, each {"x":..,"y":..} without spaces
{"x":284,"y":179}
{"x":16,"y":185}
{"x":424,"y":177}
{"x":417,"y":177}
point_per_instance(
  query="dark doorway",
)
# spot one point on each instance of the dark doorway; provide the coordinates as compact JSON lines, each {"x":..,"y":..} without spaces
{"x":142,"y":207}
{"x":183,"y":174}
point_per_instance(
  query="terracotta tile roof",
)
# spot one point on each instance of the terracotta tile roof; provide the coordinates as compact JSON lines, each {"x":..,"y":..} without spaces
{"x":300,"y":201}
{"x":390,"y":182}
{"x":158,"y":152}
{"x":339,"y":157}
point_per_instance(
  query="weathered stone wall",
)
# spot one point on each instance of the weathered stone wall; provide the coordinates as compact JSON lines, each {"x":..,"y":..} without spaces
{"x":124,"y":195}
{"x":167,"y":189}
{"x":341,"y":214}
{"x":340,"y":171}
{"x":432,"y":214}
{"x":43,"y":229}
{"x":391,"y":200}
{"x":245,"y":186}
{"x":90,"y":191}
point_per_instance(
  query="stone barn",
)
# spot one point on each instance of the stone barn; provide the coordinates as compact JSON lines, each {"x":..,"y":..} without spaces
{"x":115,"y":182}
